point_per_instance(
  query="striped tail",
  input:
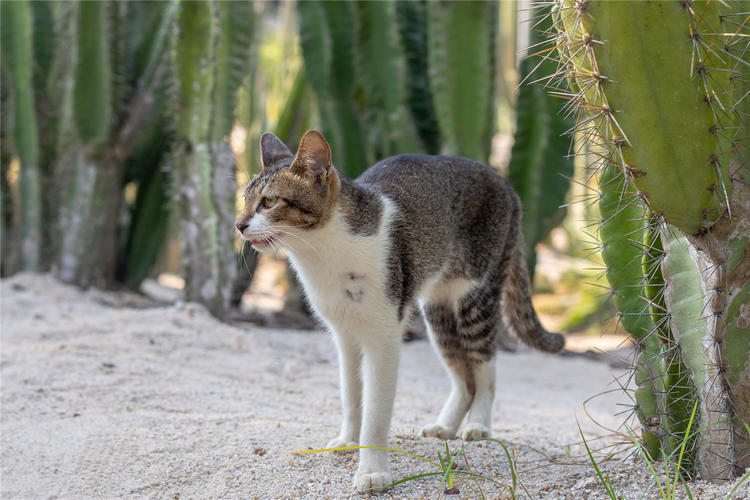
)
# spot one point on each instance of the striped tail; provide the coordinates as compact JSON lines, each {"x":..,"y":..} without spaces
{"x":518,"y":311}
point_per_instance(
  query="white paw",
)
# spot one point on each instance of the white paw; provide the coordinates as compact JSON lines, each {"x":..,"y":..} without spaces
{"x":366,"y":482}
{"x":339,"y":442}
{"x":438,"y":431}
{"x":474,"y":431}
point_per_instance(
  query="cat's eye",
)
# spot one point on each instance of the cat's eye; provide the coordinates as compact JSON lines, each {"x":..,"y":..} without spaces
{"x":268,"y":202}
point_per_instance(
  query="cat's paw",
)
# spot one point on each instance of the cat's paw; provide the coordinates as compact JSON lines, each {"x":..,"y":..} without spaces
{"x":339,"y":442}
{"x":367,"y":482}
{"x":438,"y":431}
{"x":474,"y":431}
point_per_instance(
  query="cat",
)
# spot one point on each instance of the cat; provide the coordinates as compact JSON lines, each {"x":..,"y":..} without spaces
{"x":436,"y":232}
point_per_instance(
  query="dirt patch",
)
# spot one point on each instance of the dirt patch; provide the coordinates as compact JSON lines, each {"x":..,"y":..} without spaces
{"x":102,"y":399}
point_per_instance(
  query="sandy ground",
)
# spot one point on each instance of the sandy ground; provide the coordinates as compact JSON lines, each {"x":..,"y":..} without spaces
{"x":100,"y":399}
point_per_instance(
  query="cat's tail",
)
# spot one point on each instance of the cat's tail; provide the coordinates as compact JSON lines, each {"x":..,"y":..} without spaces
{"x":518,"y":312}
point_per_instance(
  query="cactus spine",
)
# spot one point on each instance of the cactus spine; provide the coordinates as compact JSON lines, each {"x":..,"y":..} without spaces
{"x":17,"y":56}
{"x":663,"y":109}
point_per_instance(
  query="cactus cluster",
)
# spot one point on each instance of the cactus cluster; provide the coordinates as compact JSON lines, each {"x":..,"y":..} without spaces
{"x":662,"y":111}
{"x":401,"y":77}
{"x":96,"y":76}
{"x":416,"y":76}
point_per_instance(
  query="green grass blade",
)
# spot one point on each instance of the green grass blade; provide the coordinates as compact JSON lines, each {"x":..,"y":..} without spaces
{"x":650,"y":464}
{"x":342,"y":448}
{"x":744,"y":478}
{"x":416,"y":476}
{"x":602,"y":479}
{"x":682,"y":449}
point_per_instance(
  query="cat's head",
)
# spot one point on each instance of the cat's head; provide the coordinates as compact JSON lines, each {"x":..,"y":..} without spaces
{"x":292,"y":194}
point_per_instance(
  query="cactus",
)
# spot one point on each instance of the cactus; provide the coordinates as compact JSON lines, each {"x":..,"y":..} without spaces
{"x":540,"y":168}
{"x":294,"y":119}
{"x":211,"y":61}
{"x":150,"y":214}
{"x":92,"y":86}
{"x":411,"y":16}
{"x":356,"y":65}
{"x":315,"y":41}
{"x":327,"y":37}
{"x":17,"y":56}
{"x":461,"y":71}
{"x":113,"y":96}
{"x":381,"y":67}
{"x":685,"y":152}
{"x":357,"y":62}
{"x":621,"y":229}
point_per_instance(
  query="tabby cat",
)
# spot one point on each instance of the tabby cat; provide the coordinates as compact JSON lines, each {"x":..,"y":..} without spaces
{"x":436,"y":232}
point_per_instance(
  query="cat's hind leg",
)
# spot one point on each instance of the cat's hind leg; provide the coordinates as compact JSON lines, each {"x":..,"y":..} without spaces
{"x":478,"y":322}
{"x":479,"y":420}
{"x":442,"y":327}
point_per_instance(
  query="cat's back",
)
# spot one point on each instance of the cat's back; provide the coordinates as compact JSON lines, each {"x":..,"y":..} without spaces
{"x":448,"y":187}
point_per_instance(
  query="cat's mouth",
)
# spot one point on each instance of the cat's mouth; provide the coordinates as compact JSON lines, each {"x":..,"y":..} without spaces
{"x":264,"y":242}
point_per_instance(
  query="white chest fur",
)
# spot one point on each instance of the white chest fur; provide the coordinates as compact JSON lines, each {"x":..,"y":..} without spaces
{"x":345,"y":274}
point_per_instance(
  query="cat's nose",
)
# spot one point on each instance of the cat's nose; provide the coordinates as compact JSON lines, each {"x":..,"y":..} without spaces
{"x":241,"y":226}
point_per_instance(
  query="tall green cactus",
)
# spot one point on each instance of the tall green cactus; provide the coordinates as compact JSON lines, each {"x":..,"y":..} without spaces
{"x":381,"y":67}
{"x":540,"y":167}
{"x":662,"y":109}
{"x":327,"y":37}
{"x":461,"y":68}
{"x":17,"y":51}
{"x":92,"y":108}
{"x":357,"y":58}
{"x":94,"y":195}
{"x":113,"y":94}
{"x":211,"y":57}
{"x":411,"y":16}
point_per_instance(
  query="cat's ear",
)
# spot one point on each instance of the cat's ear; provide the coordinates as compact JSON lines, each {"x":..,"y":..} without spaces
{"x":313,"y":156}
{"x":272,"y":150}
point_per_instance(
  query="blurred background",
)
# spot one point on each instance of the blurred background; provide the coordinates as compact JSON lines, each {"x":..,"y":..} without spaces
{"x":130,"y":128}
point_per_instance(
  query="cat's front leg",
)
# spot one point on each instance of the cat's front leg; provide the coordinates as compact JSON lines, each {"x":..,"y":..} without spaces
{"x":380,"y":372}
{"x":350,"y":370}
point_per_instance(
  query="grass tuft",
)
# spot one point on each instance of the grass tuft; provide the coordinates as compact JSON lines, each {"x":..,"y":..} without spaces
{"x":446,"y":469}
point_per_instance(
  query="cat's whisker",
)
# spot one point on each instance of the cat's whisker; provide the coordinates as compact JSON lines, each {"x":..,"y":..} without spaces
{"x":273,"y":247}
{"x":299,"y":238}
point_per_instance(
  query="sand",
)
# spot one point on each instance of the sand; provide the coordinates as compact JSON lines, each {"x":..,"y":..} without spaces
{"x":103,"y":399}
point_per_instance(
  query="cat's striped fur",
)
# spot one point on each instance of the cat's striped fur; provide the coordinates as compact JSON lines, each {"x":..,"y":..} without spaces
{"x":436,"y":232}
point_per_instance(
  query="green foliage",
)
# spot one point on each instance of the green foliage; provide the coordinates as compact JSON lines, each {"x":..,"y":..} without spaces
{"x":461,"y":62}
{"x":17,"y":50}
{"x":235,"y":26}
{"x":294,"y":119}
{"x":380,"y":64}
{"x":540,"y":168}
{"x":92,"y":87}
{"x":665,"y":120}
{"x":411,"y":16}
{"x":683,"y":148}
